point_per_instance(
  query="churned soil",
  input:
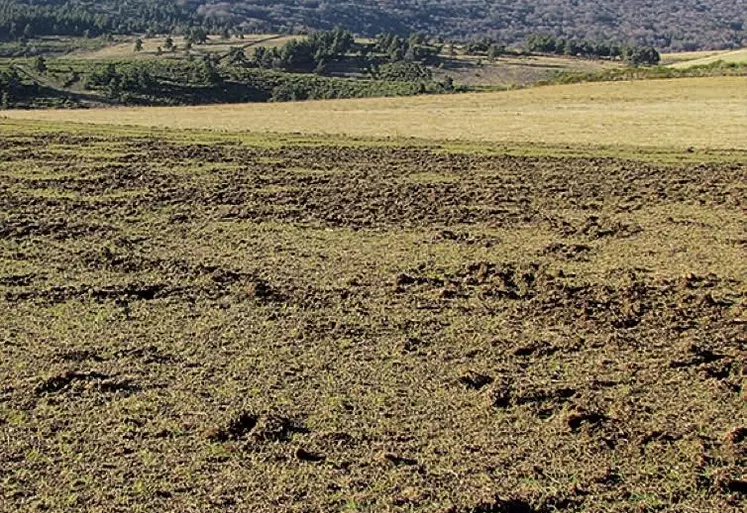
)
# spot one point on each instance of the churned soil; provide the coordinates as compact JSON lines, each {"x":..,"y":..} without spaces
{"x":336,"y":327}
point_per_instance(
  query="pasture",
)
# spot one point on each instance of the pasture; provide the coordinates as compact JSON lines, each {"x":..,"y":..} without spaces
{"x":124,"y":47}
{"x":689,"y":59}
{"x":702,"y":113}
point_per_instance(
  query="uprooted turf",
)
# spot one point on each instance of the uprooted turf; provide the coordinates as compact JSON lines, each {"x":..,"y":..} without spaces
{"x":233,"y":327}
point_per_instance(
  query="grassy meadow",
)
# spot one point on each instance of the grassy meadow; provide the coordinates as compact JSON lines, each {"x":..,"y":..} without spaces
{"x":511,"y":71}
{"x":689,"y":59}
{"x":125,"y":48}
{"x":704,"y":113}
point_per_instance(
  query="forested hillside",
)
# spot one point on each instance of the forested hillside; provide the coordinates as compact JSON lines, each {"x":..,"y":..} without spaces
{"x":666,"y":24}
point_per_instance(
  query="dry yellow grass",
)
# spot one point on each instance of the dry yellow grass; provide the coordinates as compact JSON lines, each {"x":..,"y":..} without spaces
{"x":509,"y":70}
{"x":698,"y":112}
{"x":670,"y":58}
{"x":125,"y":48}
{"x":688,"y":59}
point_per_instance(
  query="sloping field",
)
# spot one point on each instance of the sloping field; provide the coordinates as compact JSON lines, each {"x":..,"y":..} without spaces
{"x":508,"y":70}
{"x":126,"y":49}
{"x":673,"y":57}
{"x":703,"y":58}
{"x":679,"y":113}
{"x":192,"y":323}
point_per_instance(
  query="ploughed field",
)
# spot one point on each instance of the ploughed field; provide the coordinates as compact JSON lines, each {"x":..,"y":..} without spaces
{"x":194,"y":323}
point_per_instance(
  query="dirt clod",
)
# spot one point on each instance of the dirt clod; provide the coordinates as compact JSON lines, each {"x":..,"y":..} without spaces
{"x":500,"y":506}
{"x":737,"y":486}
{"x":398,"y":460}
{"x":737,"y":435}
{"x":475,"y":380}
{"x":237,"y":428}
{"x":590,"y":419}
{"x":263,"y":291}
{"x":276,"y":428}
{"x":304,"y":455}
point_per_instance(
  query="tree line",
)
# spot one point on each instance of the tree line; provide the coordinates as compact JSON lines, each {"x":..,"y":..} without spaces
{"x":9,"y":84}
{"x":21,"y":21}
{"x":308,"y":55}
{"x":414,"y":48}
{"x":208,"y":80}
{"x":389,"y":57}
{"x":632,"y":54}
{"x":311,"y":53}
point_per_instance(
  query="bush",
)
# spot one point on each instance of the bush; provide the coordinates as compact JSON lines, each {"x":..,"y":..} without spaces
{"x":404,"y":71}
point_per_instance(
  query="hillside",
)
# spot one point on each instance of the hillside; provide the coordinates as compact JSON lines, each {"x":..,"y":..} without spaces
{"x":706,"y":58}
{"x":697,"y":113}
{"x":667,"y":24}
